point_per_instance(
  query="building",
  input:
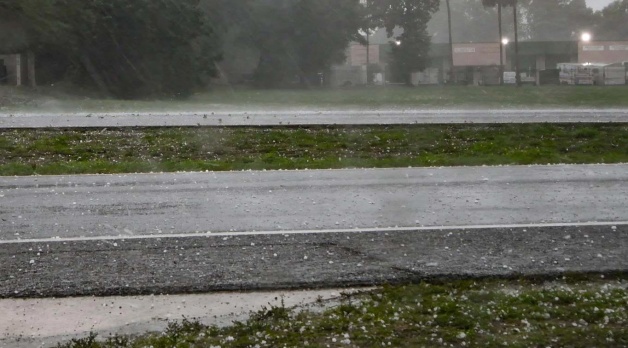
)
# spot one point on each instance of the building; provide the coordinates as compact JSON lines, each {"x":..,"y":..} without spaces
{"x":603,"y":52}
{"x":480,"y":63}
{"x":475,"y":63}
{"x":354,"y":71}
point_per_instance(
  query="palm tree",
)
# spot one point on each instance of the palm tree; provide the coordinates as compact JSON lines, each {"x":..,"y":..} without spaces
{"x":500,"y":4}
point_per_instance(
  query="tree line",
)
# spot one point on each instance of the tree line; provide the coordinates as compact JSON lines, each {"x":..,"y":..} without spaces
{"x":169,"y":48}
{"x":556,"y":20}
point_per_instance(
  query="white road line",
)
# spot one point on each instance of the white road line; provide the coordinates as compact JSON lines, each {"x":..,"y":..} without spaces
{"x":300,"y":232}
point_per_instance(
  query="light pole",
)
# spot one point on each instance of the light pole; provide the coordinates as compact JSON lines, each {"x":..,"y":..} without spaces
{"x":501,"y":44}
{"x":368,"y":57}
{"x":451,"y":46}
{"x":365,"y":3}
{"x":517,"y":71}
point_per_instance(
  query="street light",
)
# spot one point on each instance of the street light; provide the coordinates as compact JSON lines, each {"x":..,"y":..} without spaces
{"x":502,"y":49}
{"x":398,"y":42}
{"x":586,"y":37}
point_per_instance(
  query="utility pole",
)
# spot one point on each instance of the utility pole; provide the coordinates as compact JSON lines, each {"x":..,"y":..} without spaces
{"x":501,"y":44}
{"x":451,"y":45}
{"x":368,"y":56}
{"x":368,"y":42}
{"x":517,"y":71}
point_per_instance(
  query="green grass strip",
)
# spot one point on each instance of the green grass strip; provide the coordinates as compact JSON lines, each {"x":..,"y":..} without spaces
{"x":428,"y":96}
{"x":89,"y":151}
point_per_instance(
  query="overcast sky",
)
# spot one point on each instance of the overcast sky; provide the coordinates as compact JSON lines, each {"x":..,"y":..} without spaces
{"x":598,"y":4}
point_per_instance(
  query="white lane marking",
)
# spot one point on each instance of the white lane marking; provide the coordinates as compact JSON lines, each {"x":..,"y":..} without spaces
{"x":299,"y":232}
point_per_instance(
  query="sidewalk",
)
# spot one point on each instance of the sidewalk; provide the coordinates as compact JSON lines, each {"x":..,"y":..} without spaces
{"x":46,"y":322}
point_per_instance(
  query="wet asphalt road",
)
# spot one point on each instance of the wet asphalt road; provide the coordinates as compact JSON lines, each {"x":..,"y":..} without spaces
{"x":309,"y":117}
{"x":203,"y":264}
{"x":147,"y":204}
{"x":45,"y":222}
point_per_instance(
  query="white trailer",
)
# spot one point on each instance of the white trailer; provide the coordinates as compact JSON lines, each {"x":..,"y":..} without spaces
{"x":610,"y":75}
{"x":578,"y":74}
{"x":614,"y":75}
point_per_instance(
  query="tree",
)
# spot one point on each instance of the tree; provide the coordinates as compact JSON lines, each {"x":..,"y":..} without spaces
{"x":300,"y":39}
{"x":558,"y":20}
{"x":471,"y":22}
{"x":224,"y":15}
{"x":410,"y":51}
{"x":500,"y":4}
{"x":612,"y":22}
{"x":128,"y":48}
{"x":451,"y":44}
{"x":369,"y":26}
{"x":14,"y":34}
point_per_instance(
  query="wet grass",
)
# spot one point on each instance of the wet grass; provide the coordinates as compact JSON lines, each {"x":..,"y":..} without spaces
{"x":432,"y":97}
{"x":48,"y":99}
{"x":102,"y":151}
{"x":567,"y":312}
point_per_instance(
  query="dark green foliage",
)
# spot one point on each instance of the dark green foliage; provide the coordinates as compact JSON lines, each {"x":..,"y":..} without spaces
{"x":411,"y":49}
{"x":611,"y":23}
{"x":471,"y":22}
{"x":128,"y":48}
{"x":409,"y":54}
{"x":15,"y":29}
{"x":557,"y":20}
{"x":168,"y":48}
{"x":299,"y":39}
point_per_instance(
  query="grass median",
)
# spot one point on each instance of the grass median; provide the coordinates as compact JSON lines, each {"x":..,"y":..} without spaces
{"x":575,"y":311}
{"x":107,"y":151}
{"x":429,"y":97}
